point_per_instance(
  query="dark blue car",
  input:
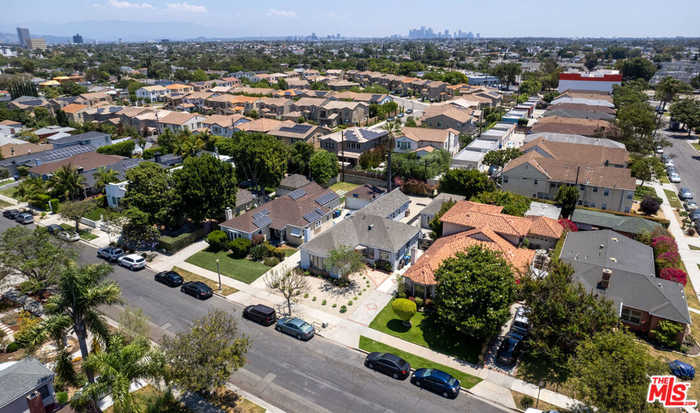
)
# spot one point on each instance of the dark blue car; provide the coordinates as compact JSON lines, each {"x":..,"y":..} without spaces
{"x":683,"y":370}
{"x":436,"y":381}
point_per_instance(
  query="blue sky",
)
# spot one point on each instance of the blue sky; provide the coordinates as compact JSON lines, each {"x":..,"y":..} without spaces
{"x":231,"y":18}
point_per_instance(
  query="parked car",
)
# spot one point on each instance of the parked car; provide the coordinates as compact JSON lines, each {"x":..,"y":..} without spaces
{"x":668,"y":162}
{"x":54,"y":229}
{"x":132,"y":261}
{"x":389,"y":364}
{"x":169,"y":278}
{"x":10,"y":213}
{"x":694,"y":215}
{"x":261,"y":314}
{"x":521,"y":324}
{"x":197,"y":289}
{"x":509,"y":350}
{"x":682,"y":370}
{"x":690,"y":205}
{"x":659,"y":149}
{"x":110,"y":253}
{"x":70,"y":236}
{"x":437,"y":381}
{"x":25,"y":218}
{"x":685,"y":194}
{"x":675,"y":178}
{"x":295,"y":327}
{"x":409,"y":111}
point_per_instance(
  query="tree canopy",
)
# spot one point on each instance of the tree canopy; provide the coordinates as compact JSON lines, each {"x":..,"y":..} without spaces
{"x":567,"y":198}
{"x":206,"y":187}
{"x":151,"y":190}
{"x":258,"y":157}
{"x":687,"y":112}
{"x":467,"y":182}
{"x":324,"y":166}
{"x":513,"y":204}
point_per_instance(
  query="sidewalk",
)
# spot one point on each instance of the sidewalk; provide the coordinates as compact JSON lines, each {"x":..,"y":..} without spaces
{"x":495,"y":387}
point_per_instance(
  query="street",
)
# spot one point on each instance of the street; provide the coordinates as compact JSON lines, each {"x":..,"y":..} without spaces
{"x":685,"y":158}
{"x":313,"y":376}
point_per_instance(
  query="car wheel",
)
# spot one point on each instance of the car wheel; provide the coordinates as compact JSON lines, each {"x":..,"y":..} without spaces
{"x":278,"y":328}
{"x":396,"y":376}
{"x":299,"y":337}
{"x":418,"y":383}
{"x":370,"y":365}
{"x":445,"y":394}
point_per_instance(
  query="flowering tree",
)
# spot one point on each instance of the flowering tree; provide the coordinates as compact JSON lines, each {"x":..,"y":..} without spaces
{"x":568,"y":225}
{"x":668,"y":259}
{"x":674,"y":274}
{"x":663,"y":244}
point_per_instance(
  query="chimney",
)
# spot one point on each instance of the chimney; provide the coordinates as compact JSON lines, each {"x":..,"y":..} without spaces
{"x":35,"y":403}
{"x":605,"y":279}
{"x":229,"y":213}
{"x":369,"y":227}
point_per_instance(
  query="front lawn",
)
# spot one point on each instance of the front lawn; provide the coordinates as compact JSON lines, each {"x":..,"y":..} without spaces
{"x":642,"y":191}
{"x":239,"y":269}
{"x":85,"y":234}
{"x":425,"y":333}
{"x":214,"y":285}
{"x":148,"y":395}
{"x":9,"y":191}
{"x":673,"y":199}
{"x":466,"y":380}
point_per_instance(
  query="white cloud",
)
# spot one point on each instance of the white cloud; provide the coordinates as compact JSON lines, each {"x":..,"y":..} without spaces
{"x":281,"y":13}
{"x":127,"y":5}
{"x":185,"y":6}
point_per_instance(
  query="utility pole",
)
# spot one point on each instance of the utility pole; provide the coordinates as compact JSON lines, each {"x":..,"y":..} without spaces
{"x":342,"y":156}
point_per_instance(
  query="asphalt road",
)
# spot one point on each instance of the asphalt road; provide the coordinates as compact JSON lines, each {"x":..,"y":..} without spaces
{"x":685,"y":158}
{"x":313,"y":376}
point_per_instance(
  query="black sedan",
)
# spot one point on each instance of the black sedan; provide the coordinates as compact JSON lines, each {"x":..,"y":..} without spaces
{"x":197,"y":289}
{"x":436,"y":381}
{"x":388,"y":364}
{"x":10,"y":213}
{"x":54,"y":229}
{"x":169,"y":278}
{"x":509,"y":350}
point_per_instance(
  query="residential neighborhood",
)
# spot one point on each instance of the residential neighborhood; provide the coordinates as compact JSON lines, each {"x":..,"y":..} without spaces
{"x":243,"y":218}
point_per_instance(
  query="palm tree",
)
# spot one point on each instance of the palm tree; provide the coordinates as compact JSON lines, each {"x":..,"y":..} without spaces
{"x":30,"y":188}
{"x":67,"y":182}
{"x":80,"y":292}
{"x":394,"y":129}
{"x":104,"y":176}
{"x":118,"y":366}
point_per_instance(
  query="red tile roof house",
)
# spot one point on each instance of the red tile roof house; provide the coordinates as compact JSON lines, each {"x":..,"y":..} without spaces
{"x":468,"y":224}
{"x":293,"y":219}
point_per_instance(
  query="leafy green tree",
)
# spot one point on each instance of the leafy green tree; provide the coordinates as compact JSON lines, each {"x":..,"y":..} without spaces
{"x":404,"y":309}
{"x":435,"y":223}
{"x":324,"y":166}
{"x":300,"y":158}
{"x":474,"y":292}
{"x":562,"y":315}
{"x":151,"y":191}
{"x":687,"y":112}
{"x":513,"y":204}
{"x":507,"y":72}
{"x":567,"y":198}
{"x":501,"y":157}
{"x":467,"y":182}
{"x":646,"y":168}
{"x":206,"y":187}
{"x":258,"y":157}
{"x":530,"y":87}
{"x":636,"y":122}
{"x":31,"y":189}
{"x":35,"y":254}
{"x":611,"y":372}
{"x":104,"y":176}
{"x":343,"y":261}
{"x":636,"y":68}
{"x":138,"y":231}
{"x":81,"y":291}
{"x":668,"y":88}
{"x":67,"y":183}
{"x":75,"y":211}
{"x":217,"y":240}
{"x":411,"y":122}
{"x":203,"y":359}
{"x":667,"y":333}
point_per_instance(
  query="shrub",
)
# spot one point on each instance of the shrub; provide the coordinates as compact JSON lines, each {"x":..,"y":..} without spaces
{"x":217,"y":240}
{"x":334,"y":305}
{"x":663,"y":244}
{"x":151,"y":152}
{"x":568,"y":224}
{"x":649,"y":205}
{"x":526,"y":402}
{"x":323,"y":302}
{"x":61,"y":397}
{"x":12,"y":347}
{"x":313,"y":299}
{"x":239,"y":247}
{"x":271,"y":261}
{"x":343,"y":309}
{"x":382,"y":265}
{"x":419,"y":302}
{"x":674,"y":274}
{"x":175,"y":244}
{"x":404,"y":309}
{"x":279,"y":253}
{"x":122,"y":148}
{"x":668,"y":259}
{"x":260,"y":251}
{"x":258,"y":238}
{"x":666,"y":333}
{"x":26,"y":332}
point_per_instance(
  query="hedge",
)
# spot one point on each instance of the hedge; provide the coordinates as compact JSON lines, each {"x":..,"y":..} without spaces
{"x":122,"y":148}
{"x":175,"y":244}
{"x":151,"y":152}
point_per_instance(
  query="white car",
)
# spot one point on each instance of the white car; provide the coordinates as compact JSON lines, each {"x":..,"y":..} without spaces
{"x":675,"y":178}
{"x":659,"y":149}
{"x":70,"y":236}
{"x":132,"y":261}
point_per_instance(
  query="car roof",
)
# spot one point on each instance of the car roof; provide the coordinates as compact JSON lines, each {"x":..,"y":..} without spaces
{"x":440,"y":374}
{"x":263,"y":309}
{"x":393,"y":357}
{"x":298,"y":322}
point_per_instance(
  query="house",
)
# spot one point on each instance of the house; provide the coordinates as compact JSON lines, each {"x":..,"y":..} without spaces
{"x":620,"y":269}
{"x":105,"y":113}
{"x":598,"y":80}
{"x":575,"y":126}
{"x":337,"y":112}
{"x":52,"y":130}
{"x":359,"y":197}
{"x":179,"y":121}
{"x":569,"y":138}
{"x":74,"y":112}
{"x":582,"y":111}
{"x":264,"y":125}
{"x":415,"y":138}
{"x":92,"y":138}
{"x":27,"y":386}
{"x":83,"y":162}
{"x":294,"y":218}
{"x":587,"y":220}
{"x":245,"y":200}
{"x":114,"y":192}
{"x":349,"y":144}
{"x":378,"y":239}
{"x":291,"y":183}
{"x":301,"y":132}
{"x":155,"y":93}
{"x":449,"y":116}
{"x":29,"y":103}
{"x":11,"y":150}
{"x":224,"y":125}
{"x":179,"y":89}
{"x":308,"y":106}
{"x":368,"y":98}
{"x":392,"y":205}
{"x":37,"y":158}
{"x":94,"y":99}
{"x":428,"y":213}
{"x":597,"y":155}
{"x":273,"y":107}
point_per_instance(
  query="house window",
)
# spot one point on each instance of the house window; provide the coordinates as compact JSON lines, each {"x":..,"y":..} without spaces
{"x":595,"y":189}
{"x":505,"y":179}
{"x":383,"y":255}
{"x":318,"y":262}
{"x":44,"y":391}
{"x":629,"y":196}
{"x":606,"y":193}
{"x":604,"y":206}
{"x":535,"y":181}
{"x":631,"y":316}
{"x":582,"y":187}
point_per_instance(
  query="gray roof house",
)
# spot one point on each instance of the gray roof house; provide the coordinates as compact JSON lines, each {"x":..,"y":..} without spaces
{"x":391,"y":205}
{"x":376,"y":237}
{"x":291,"y":183}
{"x":587,"y":220}
{"x":38,"y":158}
{"x":96,"y":139}
{"x":427,"y":214}
{"x":19,"y":380}
{"x":620,"y":269}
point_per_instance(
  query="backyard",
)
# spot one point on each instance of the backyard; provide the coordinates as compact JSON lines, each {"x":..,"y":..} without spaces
{"x":425,"y":333}
{"x":343,"y":186}
{"x":240,"y":269}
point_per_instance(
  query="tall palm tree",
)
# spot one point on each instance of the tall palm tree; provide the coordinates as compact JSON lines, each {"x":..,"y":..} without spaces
{"x":67,"y":182}
{"x":120,"y":365}
{"x":80,"y":291}
{"x":394,"y":129}
{"x":30,"y":188}
{"x":104,"y":176}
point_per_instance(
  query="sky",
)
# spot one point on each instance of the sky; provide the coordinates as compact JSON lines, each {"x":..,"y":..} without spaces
{"x":132,"y":19}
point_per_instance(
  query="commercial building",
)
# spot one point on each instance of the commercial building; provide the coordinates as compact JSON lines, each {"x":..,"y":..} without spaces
{"x":599,"y":80}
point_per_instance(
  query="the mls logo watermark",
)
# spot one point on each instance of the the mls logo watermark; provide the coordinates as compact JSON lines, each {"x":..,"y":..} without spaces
{"x":669,"y":392}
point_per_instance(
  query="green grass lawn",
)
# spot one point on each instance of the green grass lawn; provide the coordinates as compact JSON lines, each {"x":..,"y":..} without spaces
{"x":6,"y":181}
{"x":693,"y":247}
{"x":240,"y":269}
{"x":84,"y":233}
{"x":214,"y":285}
{"x":643,"y":191}
{"x":466,"y":380}
{"x":343,"y":186}
{"x":289,"y":251}
{"x":673,"y":199}
{"x":9,"y":192}
{"x":696,"y":146}
{"x":424,"y":333}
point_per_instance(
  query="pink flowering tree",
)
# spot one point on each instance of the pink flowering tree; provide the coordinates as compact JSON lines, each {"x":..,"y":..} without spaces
{"x":674,"y":274}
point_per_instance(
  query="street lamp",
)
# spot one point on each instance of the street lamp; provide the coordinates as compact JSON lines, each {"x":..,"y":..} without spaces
{"x":218,"y":272}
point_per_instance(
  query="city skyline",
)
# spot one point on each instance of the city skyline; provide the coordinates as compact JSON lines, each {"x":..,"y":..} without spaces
{"x":109,"y":20}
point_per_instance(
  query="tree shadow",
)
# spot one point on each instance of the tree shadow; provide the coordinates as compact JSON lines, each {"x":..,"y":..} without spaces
{"x":397,"y":326}
{"x":450,"y":342}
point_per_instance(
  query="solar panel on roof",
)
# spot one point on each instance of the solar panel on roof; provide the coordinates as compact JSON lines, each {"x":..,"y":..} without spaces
{"x":262,"y":221}
{"x":312,"y":217}
{"x":297,"y":193}
{"x":319,"y":211}
{"x":326,"y":198}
